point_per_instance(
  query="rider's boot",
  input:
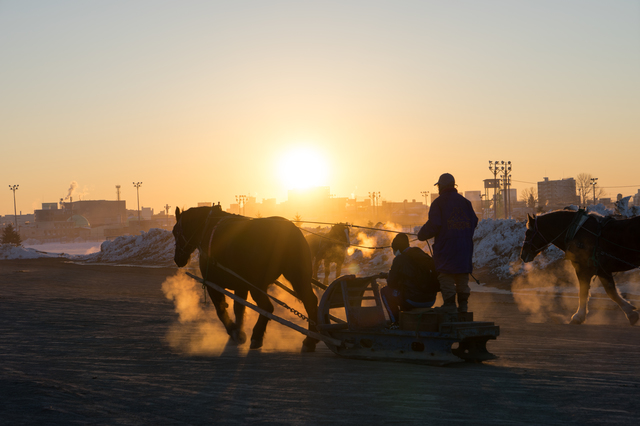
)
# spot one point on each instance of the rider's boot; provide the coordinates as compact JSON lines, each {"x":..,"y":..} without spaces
{"x":463,"y":302}
{"x":449,"y":306}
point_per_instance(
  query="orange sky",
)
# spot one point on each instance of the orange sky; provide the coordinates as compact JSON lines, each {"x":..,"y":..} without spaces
{"x":201,"y":101}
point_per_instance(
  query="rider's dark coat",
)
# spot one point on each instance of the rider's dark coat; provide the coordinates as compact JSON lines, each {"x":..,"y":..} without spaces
{"x":452,"y":222}
{"x":413,"y":273}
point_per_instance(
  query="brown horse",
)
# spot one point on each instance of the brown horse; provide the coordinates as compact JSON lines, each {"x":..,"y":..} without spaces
{"x":595,"y":245}
{"x":329,"y":248}
{"x":259,"y":251}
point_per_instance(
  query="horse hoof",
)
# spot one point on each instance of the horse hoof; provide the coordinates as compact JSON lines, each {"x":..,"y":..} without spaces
{"x":575,"y":320}
{"x":633,"y":317}
{"x":238,"y":336}
{"x":255,"y":344}
{"x":308,"y":346}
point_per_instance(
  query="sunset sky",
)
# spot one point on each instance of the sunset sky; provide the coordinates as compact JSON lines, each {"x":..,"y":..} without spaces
{"x":206,"y":100}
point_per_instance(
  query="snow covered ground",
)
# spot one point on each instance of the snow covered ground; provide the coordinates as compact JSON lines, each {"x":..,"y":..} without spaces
{"x":497,"y":249}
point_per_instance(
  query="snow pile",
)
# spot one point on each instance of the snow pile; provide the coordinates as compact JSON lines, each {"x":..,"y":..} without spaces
{"x":497,"y":245}
{"x":9,"y":251}
{"x":625,"y":210}
{"x":154,"y":248}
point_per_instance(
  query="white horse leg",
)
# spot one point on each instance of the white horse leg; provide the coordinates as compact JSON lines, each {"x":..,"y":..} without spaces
{"x":628,"y":309}
{"x":585,"y":284}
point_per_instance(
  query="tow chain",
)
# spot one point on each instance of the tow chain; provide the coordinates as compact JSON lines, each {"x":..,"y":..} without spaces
{"x":278,"y":301}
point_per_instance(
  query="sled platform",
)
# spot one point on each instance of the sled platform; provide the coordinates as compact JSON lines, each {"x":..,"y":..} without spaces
{"x":424,"y":336}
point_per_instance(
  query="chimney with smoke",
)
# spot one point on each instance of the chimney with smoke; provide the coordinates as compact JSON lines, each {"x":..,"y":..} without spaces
{"x":72,"y":188}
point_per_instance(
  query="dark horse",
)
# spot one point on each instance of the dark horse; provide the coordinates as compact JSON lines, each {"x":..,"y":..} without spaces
{"x":258,"y":250}
{"x":329,"y":247}
{"x":595,"y":246}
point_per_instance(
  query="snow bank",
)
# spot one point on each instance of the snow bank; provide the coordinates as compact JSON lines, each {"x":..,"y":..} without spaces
{"x":9,"y":251}
{"x":153,"y":248}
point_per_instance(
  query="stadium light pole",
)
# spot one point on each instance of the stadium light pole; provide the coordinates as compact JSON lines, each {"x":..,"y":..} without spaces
{"x":242,"y":204}
{"x":14,"y":188}
{"x":594,"y":182}
{"x":425,"y":194}
{"x":494,"y":168}
{"x":166,"y":212}
{"x":506,"y":176}
{"x":137,"y":186}
{"x":374,"y":196}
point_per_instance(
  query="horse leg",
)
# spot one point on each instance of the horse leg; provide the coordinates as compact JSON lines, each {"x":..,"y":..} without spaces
{"x":584,"y":278}
{"x":260,"y":328}
{"x":309,"y":343}
{"x":221,"y":305}
{"x":628,"y":309}
{"x":310,"y":301}
{"x":327,"y":271}
{"x":238,"y":334}
{"x":338,"y":268}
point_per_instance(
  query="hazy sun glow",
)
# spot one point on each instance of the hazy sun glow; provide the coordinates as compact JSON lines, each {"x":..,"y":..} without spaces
{"x":302,"y":168}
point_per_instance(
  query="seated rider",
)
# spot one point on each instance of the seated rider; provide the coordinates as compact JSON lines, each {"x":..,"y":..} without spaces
{"x":411,"y":282}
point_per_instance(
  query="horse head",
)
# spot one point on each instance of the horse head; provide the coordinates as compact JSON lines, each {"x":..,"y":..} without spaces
{"x":340,"y":232}
{"x":184,"y":234}
{"x":534,"y":242}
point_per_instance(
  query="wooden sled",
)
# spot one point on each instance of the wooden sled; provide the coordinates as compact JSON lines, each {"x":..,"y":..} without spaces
{"x":424,"y":336}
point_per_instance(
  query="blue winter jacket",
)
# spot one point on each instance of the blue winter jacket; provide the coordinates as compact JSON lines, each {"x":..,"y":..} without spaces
{"x":452,"y":222}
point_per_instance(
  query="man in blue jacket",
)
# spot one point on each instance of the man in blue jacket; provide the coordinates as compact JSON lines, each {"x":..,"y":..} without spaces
{"x":452,"y":222}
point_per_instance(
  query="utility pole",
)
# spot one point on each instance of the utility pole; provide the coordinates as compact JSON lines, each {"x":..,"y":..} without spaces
{"x":118,"y":192}
{"x":594,"y":182}
{"x":14,"y":188}
{"x":137,"y":186}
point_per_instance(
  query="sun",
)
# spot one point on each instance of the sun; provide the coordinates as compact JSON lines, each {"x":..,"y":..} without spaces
{"x":302,"y":168}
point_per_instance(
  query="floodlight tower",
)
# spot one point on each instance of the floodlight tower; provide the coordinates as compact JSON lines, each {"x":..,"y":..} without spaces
{"x":594,"y":182}
{"x":505,"y":167}
{"x":374,"y":197}
{"x":137,"y":186}
{"x":242,"y":203}
{"x":494,"y":168}
{"x":425,"y":194}
{"x":166,"y":212}
{"x":14,"y":188}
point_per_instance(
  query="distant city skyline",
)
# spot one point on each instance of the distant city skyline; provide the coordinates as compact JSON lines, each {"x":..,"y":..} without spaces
{"x":205,"y":101}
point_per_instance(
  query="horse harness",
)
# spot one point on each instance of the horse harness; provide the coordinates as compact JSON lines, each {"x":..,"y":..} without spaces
{"x":576,"y":224}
